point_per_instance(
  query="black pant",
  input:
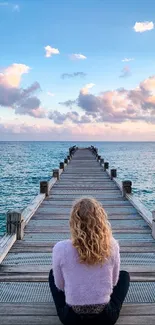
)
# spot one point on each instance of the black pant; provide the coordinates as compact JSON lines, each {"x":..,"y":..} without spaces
{"x":110,"y":313}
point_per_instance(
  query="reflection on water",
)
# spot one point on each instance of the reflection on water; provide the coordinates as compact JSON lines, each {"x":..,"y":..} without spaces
{"x":24,"y":164}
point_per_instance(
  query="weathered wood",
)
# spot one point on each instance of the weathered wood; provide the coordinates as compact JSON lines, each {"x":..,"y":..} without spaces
{"x":139,"y":206}
{"x":132,"y":269}
{"x":45,"y":309}
{"x":5,"y":245}
{"x":62,"y":166}
{"x":15,"y":224}
{"x":48,"y":320}
{"x":51,"y":183}
{"x":83,"y":176}
{"x":44,"y":188}
{"x":113,"y":173}
{"x":28,"y":212}
{"x":56,"y":173}
{"x":126,"y":187}
{"x":101,"y":161}
{"x":106,"y":165}
{"x":153,"y":224}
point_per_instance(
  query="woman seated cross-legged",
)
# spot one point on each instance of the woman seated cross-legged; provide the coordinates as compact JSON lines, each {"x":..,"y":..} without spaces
{"x":86,"y":282}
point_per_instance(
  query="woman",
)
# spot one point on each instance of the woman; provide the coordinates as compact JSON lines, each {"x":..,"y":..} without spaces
{"x":86,"y":282}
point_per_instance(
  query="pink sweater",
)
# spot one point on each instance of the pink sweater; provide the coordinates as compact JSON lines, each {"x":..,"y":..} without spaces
{"x":84,"y":284}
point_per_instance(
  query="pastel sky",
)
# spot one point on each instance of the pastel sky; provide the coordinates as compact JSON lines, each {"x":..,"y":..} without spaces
{"x":77,"y":70}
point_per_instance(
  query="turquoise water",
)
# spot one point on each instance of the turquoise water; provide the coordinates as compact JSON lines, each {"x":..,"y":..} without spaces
{"x":24,"y":164}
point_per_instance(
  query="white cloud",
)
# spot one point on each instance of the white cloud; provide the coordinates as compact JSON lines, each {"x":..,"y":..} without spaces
{"x":78,"y":57}
{"x":85,"y":89}
{"x":4,"y":4}
{"x":50,"y":94}
{"x":50,"y":51}
{"x":127,"y":59}
{"x":16,"y":8}
{"x":89,"y":86}
{"x":11,"y":76}
{"x":141,"y":27}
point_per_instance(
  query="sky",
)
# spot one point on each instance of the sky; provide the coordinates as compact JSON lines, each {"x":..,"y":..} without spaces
{"x":77,"y":70}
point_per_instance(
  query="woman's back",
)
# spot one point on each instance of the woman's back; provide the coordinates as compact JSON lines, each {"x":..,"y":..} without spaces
{"x":86,"y":281}
{"x":84,"y":284}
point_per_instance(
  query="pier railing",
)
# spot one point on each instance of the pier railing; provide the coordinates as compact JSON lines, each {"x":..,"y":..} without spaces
{"x":17,"y":220}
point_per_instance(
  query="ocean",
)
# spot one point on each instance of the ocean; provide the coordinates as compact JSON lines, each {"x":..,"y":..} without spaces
{"x":24,"y":164}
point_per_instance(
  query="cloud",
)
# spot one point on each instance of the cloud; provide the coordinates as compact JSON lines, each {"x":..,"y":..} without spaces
{"x":16,"y":8}
{"x":125,"y":72}
{"x":87,"y":87}
{"x":23,"y":100}
{"x":50,"y":94}
{"x":78,"y":57}
{"x":127,"y":59}
{"x":73,"y":75}
{"x":50,"y":51}
{"x":68,"y":103}
{"x":141,"y":27}
{"x":11,"y":76}
{"x":36,"y":130}
{"x":118,"y":106}
{"x":74,"y":117}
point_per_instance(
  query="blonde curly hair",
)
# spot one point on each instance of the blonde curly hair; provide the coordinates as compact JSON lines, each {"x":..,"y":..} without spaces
{"x":90,"y":231}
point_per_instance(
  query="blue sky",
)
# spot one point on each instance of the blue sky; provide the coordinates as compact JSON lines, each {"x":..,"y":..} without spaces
{"x":102,"y":31}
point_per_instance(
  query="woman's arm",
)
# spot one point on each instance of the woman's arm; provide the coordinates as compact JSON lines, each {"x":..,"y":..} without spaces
{"x":57,"y":271}
{"x":116,"y":265}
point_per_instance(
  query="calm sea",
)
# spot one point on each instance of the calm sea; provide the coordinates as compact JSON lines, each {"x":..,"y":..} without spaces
{"x":24,"y":164}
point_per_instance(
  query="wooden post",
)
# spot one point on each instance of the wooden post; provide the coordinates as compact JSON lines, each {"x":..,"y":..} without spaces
{"x":98,"y":157}
{"x":72,"y":150}
{"x":66,"y":161}
{"x":126,"y":187}
{"x":56,"y":173}
{"x":15,"y":224}
{"x":44,"y":188}
{"x":153,"y":224}
{"x":106,"y":165}
{"x":69,"y":157}
{"x":113,"y":173}
{"x":101,"y":161}
{"x":62,"y":165}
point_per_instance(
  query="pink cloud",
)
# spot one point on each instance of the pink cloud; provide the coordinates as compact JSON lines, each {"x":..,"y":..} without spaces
{"x":98,"y":132}
{"x":23,"y":101}
{"x":120,"y":105}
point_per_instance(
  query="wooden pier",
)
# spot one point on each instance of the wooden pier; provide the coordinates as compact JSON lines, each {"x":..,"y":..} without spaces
{"x":26,"y":249}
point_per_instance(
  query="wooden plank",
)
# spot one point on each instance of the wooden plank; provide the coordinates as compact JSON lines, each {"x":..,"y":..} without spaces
{"x":105,"y":203}
{"x":121,"y":224}
{"x":46,"y":247}
{"x":40,"y":216}
{"x":132,"y":269}
{"x":43,"y":277}
{"x":109,"y":210}
{"x":64,"y":230}
{"x":28,"y":212}
{"x":53,"y":320}
{"x":32,"y":320}
{"x":83,"y":176}
{"x":5,"y":245}
{"x":139,"y":206}
{"x":48,"y":309}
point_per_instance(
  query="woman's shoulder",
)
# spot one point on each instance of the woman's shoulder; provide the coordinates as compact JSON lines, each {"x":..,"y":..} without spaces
{"x":62,"y":245}
{"x":115,"y":245}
